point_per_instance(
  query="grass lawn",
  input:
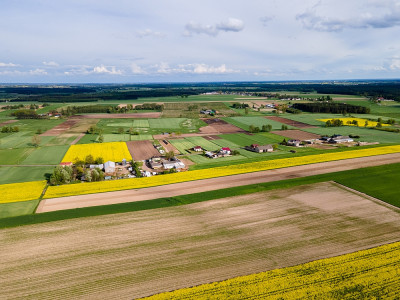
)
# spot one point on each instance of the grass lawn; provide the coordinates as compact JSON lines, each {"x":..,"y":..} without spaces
{"x":210,"y":162}
{"x":182,"y":145}
{"x":226,"y":143}
{"x":245,"y":122}
{"x":46,"y":155}
{"x":14,"y":156}
{"x":23,"y":174}
{"x":14,"y":209}
{"x":242,"y":139}
{"x":15,"y":140}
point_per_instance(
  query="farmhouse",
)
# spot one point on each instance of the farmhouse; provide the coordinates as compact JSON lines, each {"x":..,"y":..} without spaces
{"x":109,"y":167}
{"x":260,"y":149}
{"x":63,"y":164}
{"x":100,"y":166}
{"x":225,"y":151}
{"x":338,"y":139}
{"x":197,"y":148}
{"x":155,"y":163}
{"x":292,"y":142}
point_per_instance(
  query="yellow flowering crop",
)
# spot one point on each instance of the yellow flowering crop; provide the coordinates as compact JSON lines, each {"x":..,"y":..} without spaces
{"x":135,"y":183}
{"x":15,"y":192}
{"x":115,"y":151}
{"x":361,"y":122}
{"x":366,"y":274}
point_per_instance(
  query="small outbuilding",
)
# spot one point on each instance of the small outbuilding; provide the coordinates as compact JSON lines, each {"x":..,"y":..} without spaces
{"x":260,"y":149}
{"x":197,"y":148}
{"x":295,"y":143}
{"x":109,"y":167}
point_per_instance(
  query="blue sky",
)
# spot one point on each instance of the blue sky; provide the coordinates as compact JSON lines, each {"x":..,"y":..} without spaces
{"x":129,"y":41}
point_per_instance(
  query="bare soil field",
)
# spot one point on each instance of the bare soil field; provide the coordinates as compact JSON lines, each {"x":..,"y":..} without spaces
{"x":218,"y":126}
{"x":141,"y":150}
{"x":168,"y":146}
{"x":150,"y":115}
{"x":212,"y":137}
{"x":290,"y":122}
{"x":198,"y":186}
{"x":296,"y":134}
{"x":136,"y":254}
{"x":59,"y":129}
{"x":8,"y":122}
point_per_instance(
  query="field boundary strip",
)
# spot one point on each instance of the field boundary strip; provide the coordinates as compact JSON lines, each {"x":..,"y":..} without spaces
{"x":135,"y":183}
{"x":368,"y":273}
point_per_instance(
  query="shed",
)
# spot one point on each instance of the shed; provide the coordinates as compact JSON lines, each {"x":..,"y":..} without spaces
{"x":109,"y":167}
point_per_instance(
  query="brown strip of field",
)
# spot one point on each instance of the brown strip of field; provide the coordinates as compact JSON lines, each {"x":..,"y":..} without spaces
{"x":218,"y":126}
{"x":8,"y":122}
{"x":135,"y":254}
{"x":150,"y":115}
{"x":61,"y":128}
{"x":168,"y":146}
{"x":81,"y":135}
{"x":290,"y":122}
{"x":212,"y":184}
{"x":212,"y":137}
{"x":142,"y":150}
{"x":297,"y":134}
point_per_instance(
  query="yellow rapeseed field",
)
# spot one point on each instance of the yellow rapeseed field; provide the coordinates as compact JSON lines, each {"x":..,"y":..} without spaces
{"x":366,"y":274}
{"x":361,"y":122}
{"x":134,"y":183}
{"x":15,"y":192}
{"x":115,"y":151}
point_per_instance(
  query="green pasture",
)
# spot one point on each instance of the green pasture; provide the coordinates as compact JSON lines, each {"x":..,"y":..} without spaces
{"x":242,"y":139}
{"x":214,"y":162}
{"x":8,"y":210}
{"x":203,"y":143}
{"x":46,"y":155}
{"x":245,"y":122}
{"x":366,"y":134}
{"x":23,"y":174}
{"x":33,"y":126}
{"x":15,"y":140}
{"x":125,"y":137}
{"x":225,"y":143}
{"x":59,"y":140}
{"x":142,"y":123}
{"x":14,"y":156}
{"x":88,"y":139}
{"x":49,"y":108}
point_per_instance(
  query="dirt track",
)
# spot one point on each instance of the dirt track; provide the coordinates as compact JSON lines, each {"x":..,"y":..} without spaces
{"x":290,"y":122}
{"x":213,"y":184}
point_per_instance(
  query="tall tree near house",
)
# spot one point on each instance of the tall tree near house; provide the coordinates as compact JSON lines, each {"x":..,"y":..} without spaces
{"x":169,"y":155}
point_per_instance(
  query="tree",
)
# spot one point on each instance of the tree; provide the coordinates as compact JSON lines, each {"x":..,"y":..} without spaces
{"x":235,"y":152}
{"x":169,"y":155}
{"x":88,"y":175}
{"x":246,"y":111}
{"x":36,"y":140}
{"x":99,"y":160}
{"x":379,"y":125}
{"x":101,"y":138}
{"x":89,"y":159}
{"x":366,"y":124}
{"x":120,"y":130}
{"x":284,"y":127}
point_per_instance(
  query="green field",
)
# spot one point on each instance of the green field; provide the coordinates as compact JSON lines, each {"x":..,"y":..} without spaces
{"x":242,"y":139}
{"x":210,"y":162}
{"x":226,"y":143}
{"x":46,"y":155}
{"x":245,"y":122}
{"x":14,"y":156}
{"x":182,"y":145}
{"x":23,"y":174}
{"x":8,"y":210}
{"x":203,"y":143}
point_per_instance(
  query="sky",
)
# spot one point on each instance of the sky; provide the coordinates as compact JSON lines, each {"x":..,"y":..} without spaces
{"x":132,"y":41}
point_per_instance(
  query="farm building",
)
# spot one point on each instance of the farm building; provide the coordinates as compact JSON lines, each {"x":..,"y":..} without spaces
{"x":100,"y":166}
{"x":197,"y":148}
{"x":109,"y":167}
{"x":260,"y":149}
{"x":63,"y":164}
{"x":295,"y":143}
{"x":225,"y":151}
{"x":173,"y":163}
{"x":155,"y":163}
{"x":340,"y":139}
{"x":211,"y":154}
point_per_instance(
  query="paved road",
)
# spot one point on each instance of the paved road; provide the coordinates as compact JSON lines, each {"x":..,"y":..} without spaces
{"x":213,"y":183}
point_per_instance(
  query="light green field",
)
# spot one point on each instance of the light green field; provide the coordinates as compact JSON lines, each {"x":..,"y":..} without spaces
{"x":14,"y":156}
{"x":125,"y":137}
{"x":170,"y":123}
{"x":23,"y":174}
{"x":15,"y":140}
{"x":182,"y":145}
{"x":46,"y":155}
{"x":225,"y":143}
{"x":203,"y":143}
{"x":242,"y":139}
{"x":214,"y":162}
{"x":14,"y":209}
{"x":245,"y":122}
{"x":133,"y":123}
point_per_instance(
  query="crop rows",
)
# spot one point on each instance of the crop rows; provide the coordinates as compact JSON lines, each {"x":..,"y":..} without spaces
{"x":366,"y":274}
{"x":134,"y":183}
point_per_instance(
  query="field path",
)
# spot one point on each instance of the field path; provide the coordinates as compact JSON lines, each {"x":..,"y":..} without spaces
{"x":190,"y":187}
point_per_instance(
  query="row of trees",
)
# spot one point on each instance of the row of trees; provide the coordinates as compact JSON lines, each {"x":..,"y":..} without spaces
{"x":264,"y":128}
{"x":25,"y":114}
{"x":68,"y":174}
{"x":6,"y":129}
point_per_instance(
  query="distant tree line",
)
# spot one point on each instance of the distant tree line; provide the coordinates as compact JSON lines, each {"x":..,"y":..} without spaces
{"x":240,"y":105}
{"x":25,"y":114}
{"x":331,"y":107}
{"x":72,"y":110}
{"x":149,"y":106}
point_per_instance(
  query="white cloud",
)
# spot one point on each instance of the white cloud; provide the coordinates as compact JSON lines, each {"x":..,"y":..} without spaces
{"x":205,"y":69}
{"x":266,"y":19}
{"x":104,"y":70}
{"x":7,"y":64}
{"x":383,"y":15}
{"x":149,"y":33}
{"x":232,"y":24}
{"x":395,"y":64}
{"x":137,"y":69}
{"x":37,"y":72}
{"x":51,"y":64}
